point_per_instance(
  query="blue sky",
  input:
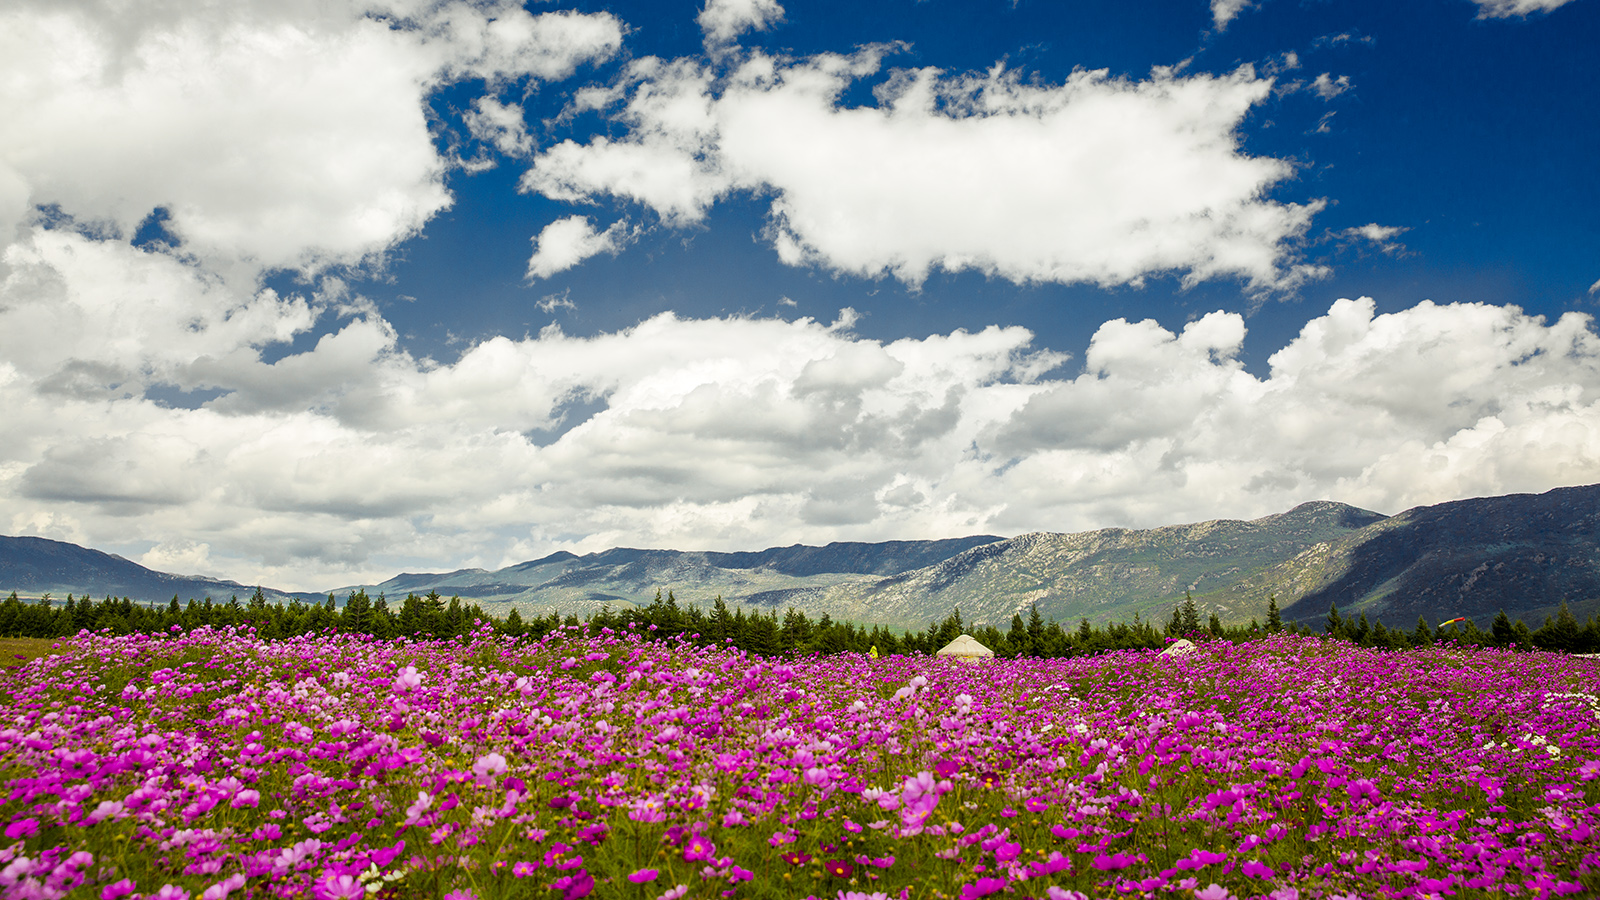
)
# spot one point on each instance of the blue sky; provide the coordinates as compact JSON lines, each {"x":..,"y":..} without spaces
{"x":310,"y":293}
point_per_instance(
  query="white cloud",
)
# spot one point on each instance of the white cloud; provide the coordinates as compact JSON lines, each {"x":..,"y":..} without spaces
{"x":724,"y":20}
{"x":179,"y":557}
{"x":501,"y":125}
{"x":352,"y":460}
{"x":1098,"y":180}
{"x":1381,"y":235}
{"x":1595,"y":288}
{"x":275,"y":135}
{"x":566,"y":242}
{"x":1225,"y":11}
{"x":1327,"y":87}
{"x":1503,"y":9}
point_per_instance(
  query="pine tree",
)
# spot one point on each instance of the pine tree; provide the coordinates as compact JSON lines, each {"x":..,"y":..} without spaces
{"x":1501,"y":629}
{"x":357,"y":616}
{"x":1274,"y":620}
{"x":1035,"y":631}
{"x":1191,"y":614}
{"x":1335,"y":622}
{"x":1017,"y":637}
{"x":1423,"y":635}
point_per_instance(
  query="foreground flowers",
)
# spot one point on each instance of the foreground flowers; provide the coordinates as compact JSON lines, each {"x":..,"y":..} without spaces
{"x":213,"y":765}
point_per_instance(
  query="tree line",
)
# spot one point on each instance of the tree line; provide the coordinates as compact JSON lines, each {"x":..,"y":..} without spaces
{"x":758,"y":631}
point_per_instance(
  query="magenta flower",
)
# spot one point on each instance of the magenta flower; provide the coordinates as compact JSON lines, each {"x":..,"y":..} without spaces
{"x":699,"y":847}
{"x":117,"y":890}
{"x":983,"y":887}
{"x":22,"y":828}
{"x":1111,"y":862}
{"x":575,"y":886}
{"x":643,"y":875}
{"x":340,"y":887}
{"x":1256,"y":869}
{"x":839,"y":868}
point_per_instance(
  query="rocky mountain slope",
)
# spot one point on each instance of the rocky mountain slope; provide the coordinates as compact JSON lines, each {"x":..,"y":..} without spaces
{"x":1524,"y":553}
{"x":34,"y":566}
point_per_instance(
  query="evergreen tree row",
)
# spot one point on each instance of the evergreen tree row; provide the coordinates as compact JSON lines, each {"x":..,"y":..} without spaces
{"x":761,"y":632}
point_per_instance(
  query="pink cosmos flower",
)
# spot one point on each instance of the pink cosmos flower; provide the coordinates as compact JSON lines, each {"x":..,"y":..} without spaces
{"x":1256,"y":869}
{"x":170,"y":892}
{"x":1213,"y":891}
{"x":223,"y":888}
{"x":488,"y":766}
{"x":575,"y":886}
{"x":983,"y":887}
{"x":643,"y":875}
{"x":339,"y":887}
{"x":699,"y":848}
{"x":408,"y":680}
{"x":22,"y":828}
{"x":839,"y":868}
{"x":674,"y":893}
{"x":117,"y":890}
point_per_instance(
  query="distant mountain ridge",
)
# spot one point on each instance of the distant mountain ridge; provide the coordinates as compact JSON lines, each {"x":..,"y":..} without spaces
{"x":1524,"y":553}
{"x":35,"y":566}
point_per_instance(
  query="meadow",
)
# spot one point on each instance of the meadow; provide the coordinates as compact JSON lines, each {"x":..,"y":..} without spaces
{"x":214,"y":764}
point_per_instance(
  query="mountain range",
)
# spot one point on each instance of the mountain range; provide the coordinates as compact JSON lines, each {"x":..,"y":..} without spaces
{"x":1524,"y":553}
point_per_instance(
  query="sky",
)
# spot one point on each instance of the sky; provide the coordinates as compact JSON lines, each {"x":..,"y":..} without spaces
{"x":307,"y":293}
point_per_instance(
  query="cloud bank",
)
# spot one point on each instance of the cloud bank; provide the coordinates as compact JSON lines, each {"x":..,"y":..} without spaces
{"x":271,"y":134}
{"x":352,"y":457}
{"x":1100,"y":180}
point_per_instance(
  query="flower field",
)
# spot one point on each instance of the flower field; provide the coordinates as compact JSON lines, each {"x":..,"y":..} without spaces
{"x":212,"y":764}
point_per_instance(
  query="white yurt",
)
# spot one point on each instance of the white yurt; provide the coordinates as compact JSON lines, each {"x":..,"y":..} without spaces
{"x":1179,"y":647}
{"x":967,"y":649}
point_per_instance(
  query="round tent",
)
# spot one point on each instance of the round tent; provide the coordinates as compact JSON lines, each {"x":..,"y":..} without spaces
{"x":967,"y":648}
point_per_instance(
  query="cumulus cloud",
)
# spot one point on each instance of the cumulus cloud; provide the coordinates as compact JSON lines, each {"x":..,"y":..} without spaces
{"x":724,"y":20}
{"x":501,"y":125}
{"x":1098,"y":179}
{"x":272,"y":134}
{"x":1382,"y":236}
{"x":567,"y":242}
{"x":1225,"y":11}
{"x":1504,"y":9}
{"x":350,"y":459}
